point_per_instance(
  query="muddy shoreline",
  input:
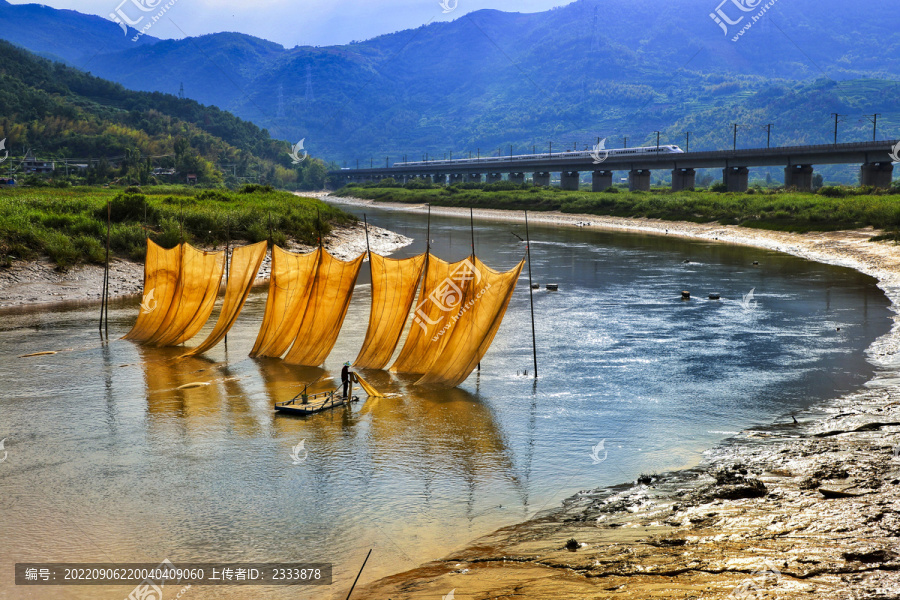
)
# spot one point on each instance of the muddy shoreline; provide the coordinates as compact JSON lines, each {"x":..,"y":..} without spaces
{"x":27,"y":284}
{"x":794,"y":510}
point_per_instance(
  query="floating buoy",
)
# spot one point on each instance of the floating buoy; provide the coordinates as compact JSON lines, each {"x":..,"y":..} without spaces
{"x":755,"y":263}
{"x":714,"y":296}
{"x":553,"y":287}
{"x":48,"y":353}
{"x":535,"y":286}
{"x":685,"y":295}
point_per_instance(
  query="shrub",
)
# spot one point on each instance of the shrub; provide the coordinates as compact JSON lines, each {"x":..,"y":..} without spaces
{"x":418,"y":184}
{"x":213,"y":195}
{"x":719,"y":187}
{"x":252,"y":188}
{"x":832,"y":191}
{"x":128,"y":206}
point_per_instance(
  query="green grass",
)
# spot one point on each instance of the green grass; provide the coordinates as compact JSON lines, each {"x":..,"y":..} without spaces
{"x":69,"y":225}
{"x":842,"y":208}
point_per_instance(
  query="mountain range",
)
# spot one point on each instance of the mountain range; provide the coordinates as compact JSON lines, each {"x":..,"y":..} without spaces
{"x":489,"y":80}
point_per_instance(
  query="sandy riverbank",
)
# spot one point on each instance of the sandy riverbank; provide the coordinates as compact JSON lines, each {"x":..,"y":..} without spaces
{"x":29,"y":283}
{"x":805,"y":510}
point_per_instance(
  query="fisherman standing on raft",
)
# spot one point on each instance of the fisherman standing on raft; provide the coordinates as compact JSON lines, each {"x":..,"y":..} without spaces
{"x":345,"y":377}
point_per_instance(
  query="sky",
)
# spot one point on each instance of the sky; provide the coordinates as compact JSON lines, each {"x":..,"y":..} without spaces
{"x":300,"y":22}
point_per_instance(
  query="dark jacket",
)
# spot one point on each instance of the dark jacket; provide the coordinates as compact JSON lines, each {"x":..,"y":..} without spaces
{"x":345,"y":374}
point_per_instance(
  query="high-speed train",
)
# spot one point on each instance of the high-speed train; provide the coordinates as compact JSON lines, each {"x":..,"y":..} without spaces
{"x":651,"y":150}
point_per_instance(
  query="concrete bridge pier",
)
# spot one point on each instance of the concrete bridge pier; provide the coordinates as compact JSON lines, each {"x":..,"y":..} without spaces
{"x":518,"y":178}
{"x":456,"y":178}
{"x":639,"y":180}
{"x":474,"y":177}
{"x":736,"y":179}
{"x":568,"y":180}
{"x":541,"y":178}
{"x":601,"y":180}
{"x":879,"y":175}
{"x":426,"y":178}
{"x":683,"y":179}
{"x":494,"y":177}
{"x":798,"y":176}
{"x":439,"y":179}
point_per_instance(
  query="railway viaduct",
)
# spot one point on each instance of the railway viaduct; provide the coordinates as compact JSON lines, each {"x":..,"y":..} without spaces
{"x":876,"y":168}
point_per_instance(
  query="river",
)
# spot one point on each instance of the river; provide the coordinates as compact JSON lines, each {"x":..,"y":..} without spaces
{"x":106,"y":461}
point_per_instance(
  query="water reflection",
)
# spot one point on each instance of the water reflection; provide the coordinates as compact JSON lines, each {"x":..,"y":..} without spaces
{"x":147,"y":470}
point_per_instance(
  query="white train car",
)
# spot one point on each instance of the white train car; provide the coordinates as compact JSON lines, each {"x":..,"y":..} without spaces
{"x":612,"y":152}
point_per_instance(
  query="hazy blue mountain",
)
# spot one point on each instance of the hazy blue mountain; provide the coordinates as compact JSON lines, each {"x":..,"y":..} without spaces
{"x":593,"y":68}
{"x":64,"y":35}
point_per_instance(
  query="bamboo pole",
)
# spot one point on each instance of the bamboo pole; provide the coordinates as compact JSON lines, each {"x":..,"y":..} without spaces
{"x":106,"y":279}
{"x":227,"y":264}
{"x":472,"y":227}
{"x":106,"y":291}
{"x":531,"y":295}
{"x":358,"y":574}
{"x":105,"y":275}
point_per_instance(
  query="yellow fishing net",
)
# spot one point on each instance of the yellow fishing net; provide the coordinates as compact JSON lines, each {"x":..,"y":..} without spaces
{"x":443,"y":288}
{"x":195,"y":296}
{"x":161,"y":270}
{"x":367,"y":387}
{"x":326,"y":309}
{"x":289,"y":286}
{"x":394,"y":284}
{"x":244,"y":266}
{"x":474,"y":326}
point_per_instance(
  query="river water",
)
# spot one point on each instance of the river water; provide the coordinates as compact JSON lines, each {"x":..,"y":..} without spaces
{"x":106,"y":461}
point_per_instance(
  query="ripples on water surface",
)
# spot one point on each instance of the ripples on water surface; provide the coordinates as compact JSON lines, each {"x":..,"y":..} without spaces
{"x":109,"y":462}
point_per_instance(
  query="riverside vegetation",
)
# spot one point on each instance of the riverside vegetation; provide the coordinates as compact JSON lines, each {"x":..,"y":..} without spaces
{"x":69,"y":225}
{"x":831,"y":208}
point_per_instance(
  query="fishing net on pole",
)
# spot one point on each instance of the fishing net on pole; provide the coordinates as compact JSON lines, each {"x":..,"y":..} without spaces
{"x":161,"y":272}
{"x":394,"y":284}
{"x":472,"y":329}
{"x":244,"y":267}
{"x":289,"y":288}
{"x":180,"y":289}
{"x":326,"y":308}
{"x":195,"y":296}
{"x":441,"y":295}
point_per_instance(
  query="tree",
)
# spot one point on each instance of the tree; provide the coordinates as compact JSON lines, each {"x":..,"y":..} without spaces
{"x":817,"y":181}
